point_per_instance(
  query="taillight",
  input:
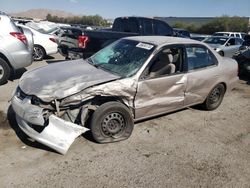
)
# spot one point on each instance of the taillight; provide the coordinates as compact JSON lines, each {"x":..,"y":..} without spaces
{"x":82,"y":41}
{"x":52,"y":39}
{"x":19,"y":36}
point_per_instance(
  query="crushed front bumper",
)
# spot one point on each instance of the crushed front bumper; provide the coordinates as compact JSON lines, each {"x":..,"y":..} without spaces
{"x":57,"y":134}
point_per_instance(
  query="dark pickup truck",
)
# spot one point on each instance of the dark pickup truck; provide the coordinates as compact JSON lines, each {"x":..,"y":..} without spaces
{"x":81,"y":43}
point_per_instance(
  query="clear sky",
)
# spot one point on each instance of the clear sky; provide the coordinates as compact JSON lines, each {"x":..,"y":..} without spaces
{"x":115,"y":8}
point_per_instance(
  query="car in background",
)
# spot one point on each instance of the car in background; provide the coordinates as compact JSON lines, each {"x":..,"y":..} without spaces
{"x":230,"y":34}
{"x":243,"y":59}
{"x":15,"y":49}
{"x":245,"y":45}
{"x":82,"y":43}
{"x":132,"y":79}
{"x":225,"y":46}
{"x":44,"y":44}
{"x":182,"y":32}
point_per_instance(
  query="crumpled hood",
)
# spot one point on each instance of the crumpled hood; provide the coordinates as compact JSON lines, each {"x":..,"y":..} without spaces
{"x":59,"y":80}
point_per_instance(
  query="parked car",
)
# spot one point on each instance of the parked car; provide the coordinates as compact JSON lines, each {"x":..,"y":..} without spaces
{"x":245,"y":45}
{"x":44,"y":44}
{"x":182,"y":32}
{"x":225,"y":46}
{"x":78,"y":42}
{"x":230,"y":34}
{"x":243,"y":59}
{"x":15,"y":49}
{"x":132,"y":79}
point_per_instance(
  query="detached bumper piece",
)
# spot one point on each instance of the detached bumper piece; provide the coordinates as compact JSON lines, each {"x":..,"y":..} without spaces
{"x":58,"y":134}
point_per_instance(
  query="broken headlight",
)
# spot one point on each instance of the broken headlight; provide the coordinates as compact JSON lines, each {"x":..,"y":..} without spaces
{"x":19,"y":93}
{"x":35,"y":100}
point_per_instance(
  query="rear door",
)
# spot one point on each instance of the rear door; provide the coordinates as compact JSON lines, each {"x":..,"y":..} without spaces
{"x":202,"y":73}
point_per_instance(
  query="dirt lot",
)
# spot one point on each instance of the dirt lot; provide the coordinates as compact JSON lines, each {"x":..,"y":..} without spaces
{"x":188,"y":148}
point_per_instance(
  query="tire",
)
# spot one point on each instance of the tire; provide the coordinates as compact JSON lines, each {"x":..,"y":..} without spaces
{"x":38,"y":53}
{"x":111,"y":122}
{"x":214,"y":98}
{"x":221,"y":53}
{"x":4,"y":71}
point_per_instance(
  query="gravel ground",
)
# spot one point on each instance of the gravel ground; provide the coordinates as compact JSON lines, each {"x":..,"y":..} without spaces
{"x":188,"y":148}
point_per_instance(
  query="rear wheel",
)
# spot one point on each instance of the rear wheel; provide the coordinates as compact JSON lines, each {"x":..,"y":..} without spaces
{"x":111,"y":122}
{"x":214,"y":98}
{"x":4,"y":71}
{"x":38,"y":53}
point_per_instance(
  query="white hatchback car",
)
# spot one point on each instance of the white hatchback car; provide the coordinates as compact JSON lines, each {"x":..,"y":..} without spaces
{"x":15,"y":49}
{"x":44,"y":44}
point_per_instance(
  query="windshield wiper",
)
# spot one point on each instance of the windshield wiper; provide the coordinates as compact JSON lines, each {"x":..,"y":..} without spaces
{"x":90,"y":61}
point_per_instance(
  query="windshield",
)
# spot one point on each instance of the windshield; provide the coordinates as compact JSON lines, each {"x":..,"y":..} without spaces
{"x":215,"y":40}
{"x":123,"y":58}
{"x":35,"y":27}
{"x":51,"y":30}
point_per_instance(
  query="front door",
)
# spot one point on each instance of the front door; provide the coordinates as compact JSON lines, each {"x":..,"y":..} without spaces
{"x":162,"y":85}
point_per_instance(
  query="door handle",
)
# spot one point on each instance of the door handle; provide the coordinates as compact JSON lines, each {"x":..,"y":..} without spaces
{"x":179,"y":83}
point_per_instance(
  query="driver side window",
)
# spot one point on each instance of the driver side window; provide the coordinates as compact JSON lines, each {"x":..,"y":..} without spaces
{"x":166,"y":62}
{"x":231,"y":42}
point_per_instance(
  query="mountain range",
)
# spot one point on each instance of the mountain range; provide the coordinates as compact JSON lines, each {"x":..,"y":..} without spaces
{"x":42,"y":13}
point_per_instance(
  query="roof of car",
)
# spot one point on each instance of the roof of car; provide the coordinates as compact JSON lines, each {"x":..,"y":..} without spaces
{"x":227,"y":32}
{"x":162,"y":40}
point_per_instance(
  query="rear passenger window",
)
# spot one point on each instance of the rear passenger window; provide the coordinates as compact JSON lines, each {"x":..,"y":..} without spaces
{"x":126,"y":25}
{"x":161,"y":29}
{"x":199,"y":57}
{"x":148,"y":27}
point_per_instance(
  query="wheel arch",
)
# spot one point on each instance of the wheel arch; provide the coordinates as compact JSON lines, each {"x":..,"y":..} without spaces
{"x":5,"y":59}
{"x":42,"y":48}
{"x":99,"y":100}
{"x":224,"y":84}
{"x":222,"y":53}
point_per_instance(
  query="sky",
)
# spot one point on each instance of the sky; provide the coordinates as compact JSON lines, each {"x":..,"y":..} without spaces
{"x":149,"y":8}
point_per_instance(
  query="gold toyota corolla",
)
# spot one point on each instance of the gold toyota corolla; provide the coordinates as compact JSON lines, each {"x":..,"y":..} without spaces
{"x":132,"y":79}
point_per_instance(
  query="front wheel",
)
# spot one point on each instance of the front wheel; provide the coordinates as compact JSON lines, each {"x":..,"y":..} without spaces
{"x":38,"y":53}
{"x":111,"y":122}
{"x":214,"y":98}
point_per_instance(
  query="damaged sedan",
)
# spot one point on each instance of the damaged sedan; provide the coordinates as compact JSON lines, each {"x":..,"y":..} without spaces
{"x":132,"y":79}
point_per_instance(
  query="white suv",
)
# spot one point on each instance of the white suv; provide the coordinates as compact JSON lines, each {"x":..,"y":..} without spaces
{"x":16,"y":47}
{"x":230,"y":34}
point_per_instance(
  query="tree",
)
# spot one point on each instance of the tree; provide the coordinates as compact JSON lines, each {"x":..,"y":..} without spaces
{"x":84,"y":20}
{"x":223,"y":23}
{"x":49,"y":17}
